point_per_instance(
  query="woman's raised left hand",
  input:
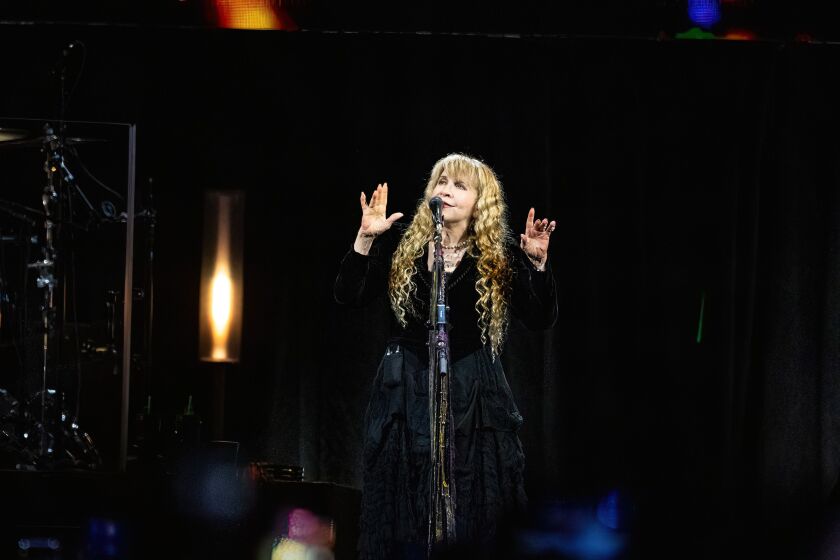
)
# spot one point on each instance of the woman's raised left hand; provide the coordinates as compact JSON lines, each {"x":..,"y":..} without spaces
{"x":535,"y":239}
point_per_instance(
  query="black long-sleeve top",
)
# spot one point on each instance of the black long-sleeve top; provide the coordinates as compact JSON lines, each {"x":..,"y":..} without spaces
{"x":364,"y":278}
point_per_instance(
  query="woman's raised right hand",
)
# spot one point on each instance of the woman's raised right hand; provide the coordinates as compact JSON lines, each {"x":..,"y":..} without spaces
{"x":374,"y":220}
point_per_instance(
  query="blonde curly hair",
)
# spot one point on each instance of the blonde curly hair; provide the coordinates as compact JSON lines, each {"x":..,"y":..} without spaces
{"x":487,"y":233}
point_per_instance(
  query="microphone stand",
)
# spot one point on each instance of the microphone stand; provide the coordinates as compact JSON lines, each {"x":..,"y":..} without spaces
{"x":442,"y":496}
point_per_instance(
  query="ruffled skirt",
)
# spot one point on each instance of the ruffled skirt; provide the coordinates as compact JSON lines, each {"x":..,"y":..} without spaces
{"x":489,"y":462}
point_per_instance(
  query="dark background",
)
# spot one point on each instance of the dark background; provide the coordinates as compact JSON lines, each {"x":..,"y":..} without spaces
{"x":768,"y":19}
{"x":683,"y":175}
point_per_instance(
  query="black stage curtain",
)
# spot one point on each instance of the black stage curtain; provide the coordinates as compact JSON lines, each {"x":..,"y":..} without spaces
{"x":695,"y":363}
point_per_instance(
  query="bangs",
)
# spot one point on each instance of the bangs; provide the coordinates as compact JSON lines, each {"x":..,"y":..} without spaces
{"x":459,"y":166}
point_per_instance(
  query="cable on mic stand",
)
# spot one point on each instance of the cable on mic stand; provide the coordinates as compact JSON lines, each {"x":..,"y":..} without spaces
{"x":441,"y":531}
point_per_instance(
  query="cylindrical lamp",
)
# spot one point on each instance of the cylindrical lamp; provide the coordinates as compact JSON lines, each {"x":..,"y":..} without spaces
{"x":220,"y":313}
{"x":220,"y":316}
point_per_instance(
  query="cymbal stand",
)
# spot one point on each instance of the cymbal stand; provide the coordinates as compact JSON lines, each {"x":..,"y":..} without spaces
{"x":46,"y":279}
{"x":57,"y":175}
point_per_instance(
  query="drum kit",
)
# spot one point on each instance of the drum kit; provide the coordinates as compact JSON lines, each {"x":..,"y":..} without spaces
{"x":37,"y":337}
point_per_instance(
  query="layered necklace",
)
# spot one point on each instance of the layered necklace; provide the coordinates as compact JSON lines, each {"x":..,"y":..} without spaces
{"x":455,"y":247}
{"x":452,"y":254}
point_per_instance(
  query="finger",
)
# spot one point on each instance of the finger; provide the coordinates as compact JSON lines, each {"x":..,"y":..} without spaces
{"x":363,"y":201}
{"x":394,"y":217}
{"x":384,"y":201}
{"x":374,"y":198}
{"x":529,"y":222}
{"x":552,"y":226}
{"x":380,"y":194}
{"x":523,"y":240}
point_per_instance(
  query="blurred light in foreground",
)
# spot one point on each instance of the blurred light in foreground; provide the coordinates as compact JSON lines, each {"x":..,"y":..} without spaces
{"x":221,"y":492}
{"x":574,"y":531}
{"x":303,"y":535}
{"x":704,"y":13}
{"x":252,"y":14}
{"x":288,"y":549}
{"x":105,"y":539}
{"x":695,"y":33}
{"x":740,"y":35}
{"x":207,"y":484}
{"x":607,"y":510}
{"x":27,"y":544}
{"x":616,"y":510}
{"x":700,"y":318}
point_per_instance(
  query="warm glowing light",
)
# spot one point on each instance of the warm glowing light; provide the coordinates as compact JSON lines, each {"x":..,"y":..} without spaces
{"x":287,"y":549}
{"x":740,"y":35}
{"x":252,"y":14}
{"x":221,"y":285}
{"x":221,"y":304}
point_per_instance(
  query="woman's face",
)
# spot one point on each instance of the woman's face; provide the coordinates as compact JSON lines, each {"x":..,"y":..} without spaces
{"x":458,"y":196}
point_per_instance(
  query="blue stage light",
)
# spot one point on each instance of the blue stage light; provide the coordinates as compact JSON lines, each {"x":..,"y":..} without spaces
{"x":704,"y":13}
{"x":607,"y":511}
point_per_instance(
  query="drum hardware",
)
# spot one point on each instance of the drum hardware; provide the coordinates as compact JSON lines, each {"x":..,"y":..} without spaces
{"x":46,"y":329}
{"x":264,"y":471}
{"x":89,"y":347}
{"x":40,"y":140}
{"x":55,"y":199}
{"x":9,"y":406}
{"x":28,"y":444}
{"x":14,"y":448}
{"x":19,"y":212}
{"x":107,"y":212}
{"x":12,"y":134}
{"x":66,"y":444}
{"x":43,"y":136}
{"x":15,"y":236}
{"x":42,"y":433}
{"x":46,"y":280}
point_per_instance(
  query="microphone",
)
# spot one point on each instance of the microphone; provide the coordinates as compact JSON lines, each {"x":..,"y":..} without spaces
{"x":436,"y":204}
{"x":65,"y":52}
{"x":61,"y":63}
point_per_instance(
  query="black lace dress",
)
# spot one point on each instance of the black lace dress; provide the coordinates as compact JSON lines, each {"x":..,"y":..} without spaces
{"x":489,"y":462}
